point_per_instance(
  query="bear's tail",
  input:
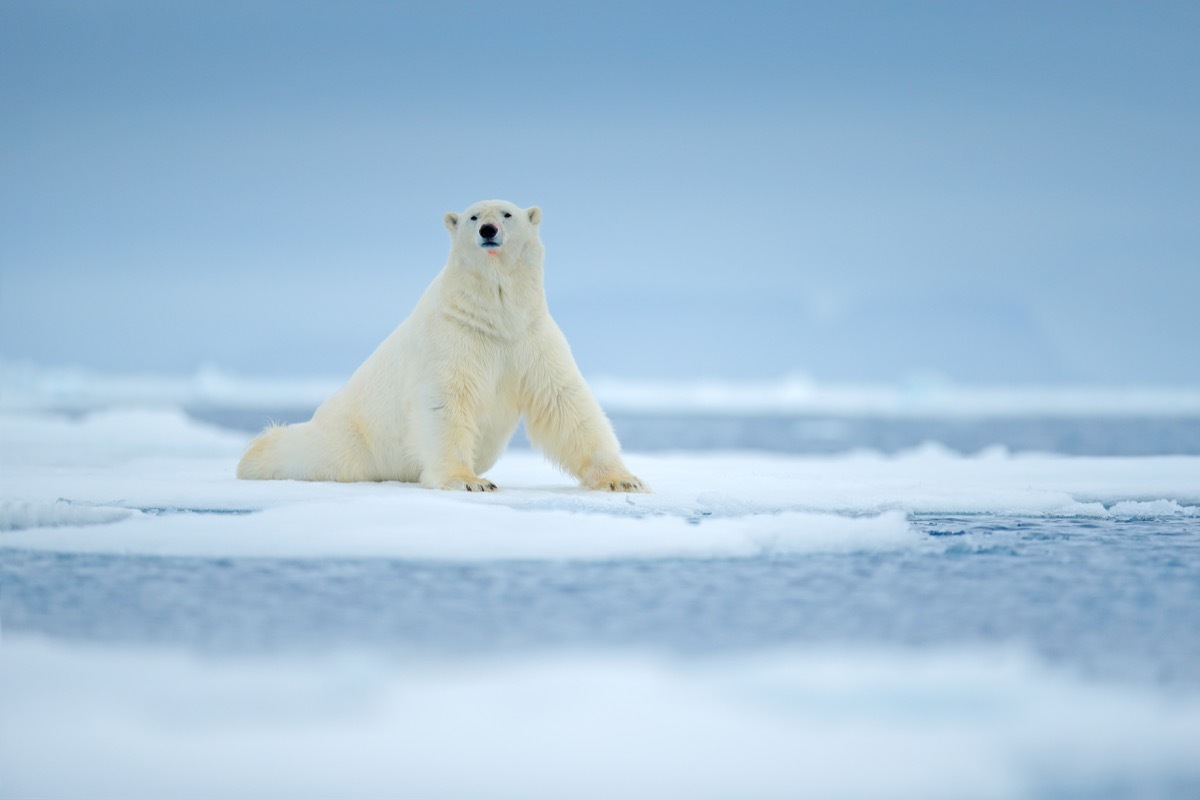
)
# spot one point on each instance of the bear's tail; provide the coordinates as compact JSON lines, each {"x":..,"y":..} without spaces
{"x":286,"y":452}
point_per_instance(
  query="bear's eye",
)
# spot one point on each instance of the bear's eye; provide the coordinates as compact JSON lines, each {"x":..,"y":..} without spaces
{"x":507,"y":215}
{"x":475,"y":217}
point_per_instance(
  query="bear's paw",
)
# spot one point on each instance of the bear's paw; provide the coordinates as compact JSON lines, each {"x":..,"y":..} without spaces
{"x":623,"y":482}
{"x":469,"y":484}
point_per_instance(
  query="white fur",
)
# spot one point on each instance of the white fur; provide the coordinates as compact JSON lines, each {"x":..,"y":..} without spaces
{"x":438,"y":401}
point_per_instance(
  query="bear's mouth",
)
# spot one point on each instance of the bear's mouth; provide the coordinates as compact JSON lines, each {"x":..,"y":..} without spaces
{"x":489,"y":244}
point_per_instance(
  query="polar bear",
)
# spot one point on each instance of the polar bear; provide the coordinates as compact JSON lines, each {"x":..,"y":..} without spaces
{"x":438,"y":400}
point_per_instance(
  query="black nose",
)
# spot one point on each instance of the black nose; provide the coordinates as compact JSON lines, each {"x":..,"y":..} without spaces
{"x":488,"y":231}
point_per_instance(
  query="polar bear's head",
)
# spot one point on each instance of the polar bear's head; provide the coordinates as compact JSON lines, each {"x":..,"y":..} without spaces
{"x":495,"y":230}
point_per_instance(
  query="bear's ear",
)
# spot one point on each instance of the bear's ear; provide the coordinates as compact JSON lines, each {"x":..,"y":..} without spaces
{"x":451,"y":220}
{"x":535,"y":214}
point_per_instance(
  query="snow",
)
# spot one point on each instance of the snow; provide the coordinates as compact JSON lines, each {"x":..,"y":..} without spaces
{"x":25,"y":386}
{"x":156,"y":482}
{"x":420,"y":529}
{"x":915,"y":397}
{"x":18,"y":515}
{"x":987,"y":723}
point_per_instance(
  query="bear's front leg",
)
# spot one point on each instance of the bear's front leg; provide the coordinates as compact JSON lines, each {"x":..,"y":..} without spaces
{"x":451,"y":433}
{"x":574,"y":433}
{"x":566,"y":423}
{"x":611,"y":477}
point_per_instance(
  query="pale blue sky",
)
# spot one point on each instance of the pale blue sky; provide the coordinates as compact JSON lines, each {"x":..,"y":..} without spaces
{"x":993,"y":192}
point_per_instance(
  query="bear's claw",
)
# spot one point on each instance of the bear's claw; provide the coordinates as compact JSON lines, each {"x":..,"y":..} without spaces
{"x":625,"y":484}
{"x":472,"y":485}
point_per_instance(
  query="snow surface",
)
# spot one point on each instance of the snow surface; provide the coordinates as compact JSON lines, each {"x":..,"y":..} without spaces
{"x":19,"y":515}
{"x":140,"y":723}
{"x":156,"y":482}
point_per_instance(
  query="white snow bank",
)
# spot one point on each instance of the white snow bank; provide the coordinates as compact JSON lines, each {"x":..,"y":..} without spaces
{"x":1153,"y":509}
{"x":18,"y":515}
{"x":79,"y":721}
{"x":433,"y":529}
{"x":109,"y":436}
{"x":704,"y":505}
{"x":29,"y":387}
{"x":917,"y":398}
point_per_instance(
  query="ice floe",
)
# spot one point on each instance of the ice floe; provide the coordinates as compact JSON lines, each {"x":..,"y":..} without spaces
{"x":165,"y":484}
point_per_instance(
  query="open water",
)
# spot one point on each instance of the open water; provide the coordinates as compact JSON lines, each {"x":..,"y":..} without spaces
{"x":1116,"y":600}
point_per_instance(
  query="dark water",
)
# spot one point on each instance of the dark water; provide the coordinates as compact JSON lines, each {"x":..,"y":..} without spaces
{"x":1110,"y":599}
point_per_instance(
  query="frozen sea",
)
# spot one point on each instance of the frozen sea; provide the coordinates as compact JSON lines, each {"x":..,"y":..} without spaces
{"x":917,"y":591}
